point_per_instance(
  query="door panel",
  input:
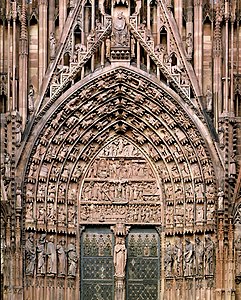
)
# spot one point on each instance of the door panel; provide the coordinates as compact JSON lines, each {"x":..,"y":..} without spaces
{"x":143,"y":265}
{"x":97,"y":270}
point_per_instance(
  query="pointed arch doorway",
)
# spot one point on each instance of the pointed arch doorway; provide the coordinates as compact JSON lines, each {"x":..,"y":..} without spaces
{"x":121,"y":210}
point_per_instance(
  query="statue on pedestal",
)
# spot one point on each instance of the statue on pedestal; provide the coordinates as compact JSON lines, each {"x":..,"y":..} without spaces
{"x":120,"y":257}
{"x":30,"y":254}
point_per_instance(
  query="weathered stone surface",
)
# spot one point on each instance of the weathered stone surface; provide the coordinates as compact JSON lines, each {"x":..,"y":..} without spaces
{"x":120,"y":149}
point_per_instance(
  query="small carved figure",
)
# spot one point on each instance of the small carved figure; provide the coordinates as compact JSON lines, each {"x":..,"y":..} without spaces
{"x":32,"y":171}
{"x":30,"y":254}
{"x":189,"y":215}
{"x":98,"y":25}
{"x":168,"y":260}
{"x":52,"y":43}
{"x":51,"y":215}
{"x":209,"y":100}
{"x":41,"y":214}
{"x":210,"y":212}
{"x":29,"y":212}
{"x":18,"y":132}
{"x":189,"y":43}
{"x":61,"y":257}
{"x":184,"y":78}
{"x":31,"y":93}
{"x":199,"y":255}
{"x":188,"y":258}
{"x":161,"y":52}
{"x":221,"y":135}
{"x":72,"y":258}
{"x":199,"y":213}
{"x":71,"y":216}
{"x":232,"y":166}
{"x":61,"y":216}
{"x":120,"y":257}
{"x":220,"y":198}
{"x":7,"y":165}
{"x":41,"y":254}
{"x":51,"y":254}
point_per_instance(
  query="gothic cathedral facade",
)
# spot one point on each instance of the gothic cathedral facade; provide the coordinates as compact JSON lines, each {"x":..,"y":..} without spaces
{"x":120,"y":149}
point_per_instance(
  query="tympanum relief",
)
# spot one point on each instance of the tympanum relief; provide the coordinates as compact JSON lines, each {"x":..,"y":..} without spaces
{"x":120,"y":185}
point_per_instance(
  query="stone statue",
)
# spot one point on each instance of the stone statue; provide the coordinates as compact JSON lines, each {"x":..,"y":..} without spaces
{"x":41,"y":254}
{"x":199,"y":255}
{"x":168,"y":259}
{"x":178,"y":257}
{"x":41,"y":214}
{"x":31,"y":93}
{"x":108,"y":46}
{"x":18,"y":132}
{"x":61,"y":257}
{"x":7,"y":165}
{"x":30,"y":254}
{"x":29,"y":212}
{"x":51,"y":254}
{"x":232,"y":166}
{"x":209,"y":255}
{"x":161,"y":52}
{"x":72,"y":258}
{"x":52,"y":43}
{"x":138,"y":6}
{"x":220,"y":199}
{"x":209,"y":100}
{"x":189,"y":43}
{"x":221,"y":135}
{"x":120,"y":31}
{"x":18,"y":197}
{"x":188,"y":258}
{"x":120,"y":257}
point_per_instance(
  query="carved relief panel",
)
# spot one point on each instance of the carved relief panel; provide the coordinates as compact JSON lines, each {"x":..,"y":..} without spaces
{"x":120,"y":185}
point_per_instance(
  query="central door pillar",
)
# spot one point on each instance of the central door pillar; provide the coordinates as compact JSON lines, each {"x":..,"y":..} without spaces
{"x":120,"y":259}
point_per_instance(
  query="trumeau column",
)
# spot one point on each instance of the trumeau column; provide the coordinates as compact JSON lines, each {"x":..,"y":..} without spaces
{"x":23,"y":64}
{"x":120,"y":259}
{"x":43,"y":38}
{"x":198,"y":42}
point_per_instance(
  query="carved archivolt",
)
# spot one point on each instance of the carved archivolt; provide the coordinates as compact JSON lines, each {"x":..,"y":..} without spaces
{"x":120,"y":144}
{"x":118,"y":150}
